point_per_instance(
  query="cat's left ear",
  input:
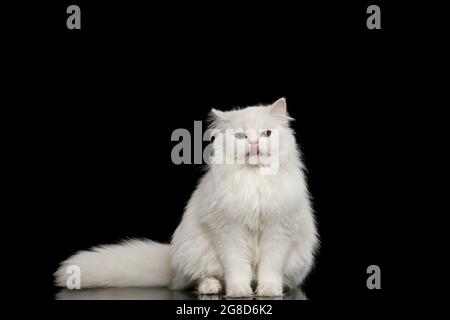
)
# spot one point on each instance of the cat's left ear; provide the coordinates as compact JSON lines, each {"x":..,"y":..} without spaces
{"x":278,"y":108}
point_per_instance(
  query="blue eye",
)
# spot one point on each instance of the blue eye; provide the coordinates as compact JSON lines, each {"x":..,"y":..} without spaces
{"x":240,"y":135}
{"x":266,"y":133}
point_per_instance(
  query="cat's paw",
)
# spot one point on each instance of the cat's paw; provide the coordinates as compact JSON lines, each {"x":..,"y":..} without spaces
{"x":209,"y":285}
{"x":269,"y":289}
{"x":239,"y":290}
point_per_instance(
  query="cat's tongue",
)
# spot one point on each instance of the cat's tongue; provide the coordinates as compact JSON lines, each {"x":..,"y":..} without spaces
{"x":254,"y":148}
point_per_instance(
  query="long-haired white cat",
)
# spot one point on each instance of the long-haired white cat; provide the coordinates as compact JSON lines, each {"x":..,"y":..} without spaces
{"x":241,"y":226}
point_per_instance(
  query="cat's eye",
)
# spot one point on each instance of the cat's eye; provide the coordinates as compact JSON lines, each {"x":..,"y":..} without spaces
{"x":266,"y":133}
{"x":240,"y":135}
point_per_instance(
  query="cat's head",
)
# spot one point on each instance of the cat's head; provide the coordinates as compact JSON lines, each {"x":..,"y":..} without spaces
{"x":254,"y":136}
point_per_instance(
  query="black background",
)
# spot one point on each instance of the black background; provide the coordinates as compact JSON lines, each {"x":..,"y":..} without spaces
{"x":107,"y":98}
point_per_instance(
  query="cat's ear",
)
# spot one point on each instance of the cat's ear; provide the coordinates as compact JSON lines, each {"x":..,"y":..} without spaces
{"x":218,"y":115}
{"x":278,"y":108}
{"x":217,"y":118}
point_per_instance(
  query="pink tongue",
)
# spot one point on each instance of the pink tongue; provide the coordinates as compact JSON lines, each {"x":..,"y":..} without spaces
{"x":254,"y":148}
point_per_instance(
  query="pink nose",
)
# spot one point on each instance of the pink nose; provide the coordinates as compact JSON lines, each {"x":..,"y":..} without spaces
{"x":254,"y":149}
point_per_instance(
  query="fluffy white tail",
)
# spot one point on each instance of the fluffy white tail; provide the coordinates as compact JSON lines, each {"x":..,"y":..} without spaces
{"x":133,"y":263}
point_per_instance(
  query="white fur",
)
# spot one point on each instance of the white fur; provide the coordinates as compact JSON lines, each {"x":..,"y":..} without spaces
{"x":239,"y":226}
{"x":134,"y":263}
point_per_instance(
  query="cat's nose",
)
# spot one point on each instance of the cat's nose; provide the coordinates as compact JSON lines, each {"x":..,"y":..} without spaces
{"x":254,"y":149}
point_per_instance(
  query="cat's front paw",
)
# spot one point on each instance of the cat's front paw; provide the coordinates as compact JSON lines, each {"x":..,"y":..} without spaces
{"x":239,"y":290}
{"x":269,"y":289}
{"x":209,"y":285}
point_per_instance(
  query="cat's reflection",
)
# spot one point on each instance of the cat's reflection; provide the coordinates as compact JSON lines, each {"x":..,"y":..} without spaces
{"x":157,"y":294}
{"x":125,"y":294}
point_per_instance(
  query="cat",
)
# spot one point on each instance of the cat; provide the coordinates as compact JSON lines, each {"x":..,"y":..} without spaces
{"x":241,"y":229}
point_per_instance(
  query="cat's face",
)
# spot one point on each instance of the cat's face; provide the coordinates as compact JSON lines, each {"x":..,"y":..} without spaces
{"x":253,"y":136}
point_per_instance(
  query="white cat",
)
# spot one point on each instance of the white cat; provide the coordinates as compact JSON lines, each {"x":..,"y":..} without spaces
{"x":240,"y":226}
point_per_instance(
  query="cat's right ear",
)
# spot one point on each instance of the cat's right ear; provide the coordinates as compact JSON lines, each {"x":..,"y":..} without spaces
{"x":218,"y":119}
{"x":218,"y":115}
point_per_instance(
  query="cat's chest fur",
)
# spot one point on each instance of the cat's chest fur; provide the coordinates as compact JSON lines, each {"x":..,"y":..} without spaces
{"x":252,"y":199}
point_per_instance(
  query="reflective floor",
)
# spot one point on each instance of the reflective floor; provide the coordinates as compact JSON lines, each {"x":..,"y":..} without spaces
{"x":157,"y":294}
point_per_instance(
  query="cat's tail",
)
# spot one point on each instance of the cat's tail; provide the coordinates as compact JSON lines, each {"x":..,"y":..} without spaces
{"x":132,"y":263}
